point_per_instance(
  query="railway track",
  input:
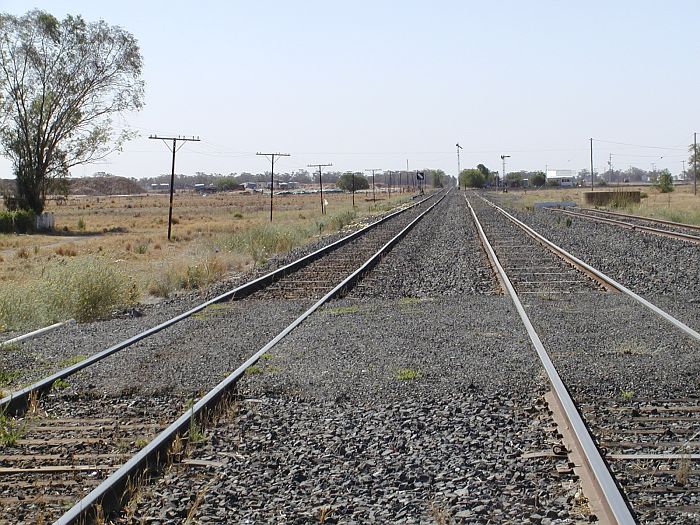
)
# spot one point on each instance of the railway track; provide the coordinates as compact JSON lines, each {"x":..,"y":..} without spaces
{"x":66,"y":445}
{"x":675,"y":230}
{"x":647,"y":440}
{"x":532,"y":267}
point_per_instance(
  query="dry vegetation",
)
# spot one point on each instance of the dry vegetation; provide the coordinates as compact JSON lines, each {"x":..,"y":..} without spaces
{"x":116,"y":247}
{"x":679,"y":206}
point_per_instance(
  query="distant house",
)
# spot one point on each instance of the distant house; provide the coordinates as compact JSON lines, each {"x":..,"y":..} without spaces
{"x":563,"y":178}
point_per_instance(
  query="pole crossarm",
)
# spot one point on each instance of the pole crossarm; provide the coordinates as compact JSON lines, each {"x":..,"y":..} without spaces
{"x":459,"y":168}
{"x":320,"y":182}
{"x":373,"y":170}
{"x":174,"y":150}
{"x":272,"y":156}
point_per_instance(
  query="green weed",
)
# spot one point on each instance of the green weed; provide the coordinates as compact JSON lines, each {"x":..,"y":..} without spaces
{"x":60,"y":384}
{"x":7,"y":377}
{"x":195,"y":433}
{"x":626,"y":395}
{"x":407,"y":374}
{"x":10,"y":431}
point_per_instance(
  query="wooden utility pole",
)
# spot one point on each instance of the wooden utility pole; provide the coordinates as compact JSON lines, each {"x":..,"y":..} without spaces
{"x":459,"y":168}
{"x":374,"y":195}
{"x":695,"y":163}
{"x":591,"y":164}
{"x":272,"y":156}
{"x":320,"y":182}
{"x":172,"y":173}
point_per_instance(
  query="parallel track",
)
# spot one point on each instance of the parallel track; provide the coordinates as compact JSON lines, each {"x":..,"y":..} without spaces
{"x":652,"y":447}
{"x":16,"y":402}
{"x":670,"y":229}
{"x":96,"y":449}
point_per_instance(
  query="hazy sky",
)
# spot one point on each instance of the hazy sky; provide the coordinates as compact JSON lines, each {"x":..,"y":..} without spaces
{"x":369,"y":84}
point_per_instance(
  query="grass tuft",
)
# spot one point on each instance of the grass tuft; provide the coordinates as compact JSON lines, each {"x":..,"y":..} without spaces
{"x":84,"y":290}
{"x":60,"y":384}
{"x":261,"y":241}
{"x":10,"y":431}
{"x":407,"y":374}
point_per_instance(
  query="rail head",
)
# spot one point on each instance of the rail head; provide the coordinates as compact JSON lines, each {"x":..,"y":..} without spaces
{"x":615,"y":506}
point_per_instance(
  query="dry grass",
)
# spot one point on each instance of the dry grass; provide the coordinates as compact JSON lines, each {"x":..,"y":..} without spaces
{"x":212,"y":236}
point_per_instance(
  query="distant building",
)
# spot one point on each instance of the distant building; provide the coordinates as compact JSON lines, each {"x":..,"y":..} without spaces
{"x":164,"y":186}
{"x":564,"y":178}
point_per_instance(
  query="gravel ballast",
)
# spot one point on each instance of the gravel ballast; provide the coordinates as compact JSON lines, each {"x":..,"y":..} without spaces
{"x":414,"y":408}
{"x":370,"y":417}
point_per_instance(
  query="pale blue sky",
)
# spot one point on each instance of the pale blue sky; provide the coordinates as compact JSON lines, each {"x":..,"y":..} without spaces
{"x":369,"y":84}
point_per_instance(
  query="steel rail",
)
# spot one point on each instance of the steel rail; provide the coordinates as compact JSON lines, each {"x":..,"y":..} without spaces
{"x":642,"y":218}
{"x":629,"y":226}
{"x":109,"y":494}
{"x":609,"y":280}
{"x":615,"y":506}
{"x":36,"y":333}
{"x":16,"y":402}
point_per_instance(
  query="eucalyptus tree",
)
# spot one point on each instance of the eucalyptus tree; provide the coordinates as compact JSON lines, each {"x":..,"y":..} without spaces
{"x":61,"y":83}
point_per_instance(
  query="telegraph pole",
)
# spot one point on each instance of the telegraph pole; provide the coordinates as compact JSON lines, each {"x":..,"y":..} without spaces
{"x":591,"y":164}
{"x":458,"y":167}
{"x":272,"y":156}
{"x":374,"y":195}
{"x":320,"y":182}
{"x":695,"y":163}
{"x":353,"y":188}
{"x":172,"y":173}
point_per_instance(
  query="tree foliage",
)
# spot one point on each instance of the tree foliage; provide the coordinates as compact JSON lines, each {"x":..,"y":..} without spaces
{"x":472,"y":178}
{"x":438,"y":178}
{"x":665,"y":181}
{"x":538,"y":179}
{"x":514,"y":179}
{"x":344,"y":182}
{"x":61,"y":82}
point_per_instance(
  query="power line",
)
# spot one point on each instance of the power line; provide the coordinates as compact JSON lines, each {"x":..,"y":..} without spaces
{"x":638,"y":145}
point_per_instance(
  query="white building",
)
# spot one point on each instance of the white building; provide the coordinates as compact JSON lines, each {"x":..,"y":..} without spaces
{"x":565,"y":178}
